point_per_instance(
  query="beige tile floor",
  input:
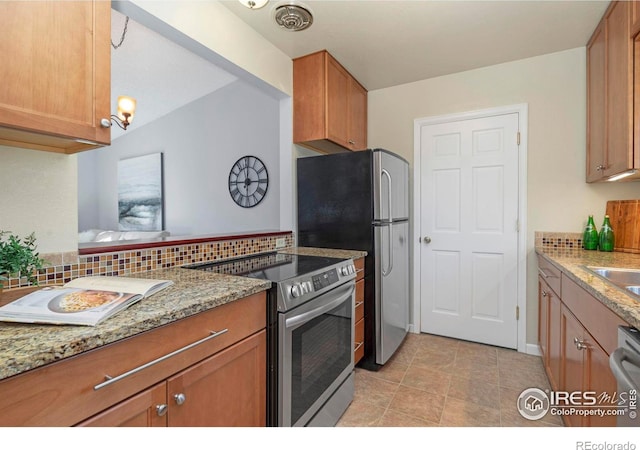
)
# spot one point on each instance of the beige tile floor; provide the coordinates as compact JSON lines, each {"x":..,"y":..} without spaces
{"x":437,"y":381}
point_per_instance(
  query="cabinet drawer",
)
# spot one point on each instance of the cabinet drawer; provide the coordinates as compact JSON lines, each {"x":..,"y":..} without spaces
{"x":359,"y":263}
{"x":63,"y":393}
{"x":600,"y":321}
{"x":359,"y":341}
{"x":550,"y":274}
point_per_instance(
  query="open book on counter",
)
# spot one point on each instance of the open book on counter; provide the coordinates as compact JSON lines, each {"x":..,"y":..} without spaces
{"x":83,"y":301}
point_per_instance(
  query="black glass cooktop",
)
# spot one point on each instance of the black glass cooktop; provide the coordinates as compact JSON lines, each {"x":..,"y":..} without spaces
{"x":274,"y":267}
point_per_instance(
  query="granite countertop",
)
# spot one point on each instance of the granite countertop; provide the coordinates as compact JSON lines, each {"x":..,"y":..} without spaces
{"x":27,"y":346}
{"x":572,"y":262}
{"x":326,"y":252}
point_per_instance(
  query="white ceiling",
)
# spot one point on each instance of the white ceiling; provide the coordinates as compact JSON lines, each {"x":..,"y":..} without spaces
{"x":386,"y":43}
{"x":160,"y":74}
{"x":382,"y":43}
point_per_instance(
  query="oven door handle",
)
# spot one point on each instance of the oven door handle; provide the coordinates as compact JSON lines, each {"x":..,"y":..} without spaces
{"x":294,"y":321}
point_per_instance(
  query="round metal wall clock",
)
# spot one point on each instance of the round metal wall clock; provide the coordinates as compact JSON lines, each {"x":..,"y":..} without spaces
{"x":248,"y":181}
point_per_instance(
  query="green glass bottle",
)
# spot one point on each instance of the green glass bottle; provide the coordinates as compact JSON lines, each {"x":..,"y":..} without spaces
{"x":590,"y":237}
{"x":606,"y":239}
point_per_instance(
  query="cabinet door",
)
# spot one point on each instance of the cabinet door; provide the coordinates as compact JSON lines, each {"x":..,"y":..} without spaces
{"x":599,"y":379}
{"x":357,"y":138}
{"x":555,"y":340}
{"x":596,"y":135}
{"x":635,"y":18}
{"x":337,"y":102}
{"x":146,"y":409}
{"x":57,"y":85}
{"x":225,"y":390}
{"x":619,"y":93}
{"x":572,"y":379}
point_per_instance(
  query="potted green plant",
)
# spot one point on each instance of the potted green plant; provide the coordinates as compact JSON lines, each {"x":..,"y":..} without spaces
{"x":18,"y":256}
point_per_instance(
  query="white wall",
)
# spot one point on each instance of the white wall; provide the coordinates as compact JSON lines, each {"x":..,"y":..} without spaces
{"x":199,"y":142}
{"x":39,"y":195}
{"x":554,"y":87}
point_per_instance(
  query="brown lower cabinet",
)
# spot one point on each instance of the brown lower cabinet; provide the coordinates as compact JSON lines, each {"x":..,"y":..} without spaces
{"x":226,"y":390}
{"x":549,"y":330}
{"x":178,"y":374}
{"x":576,"y":333}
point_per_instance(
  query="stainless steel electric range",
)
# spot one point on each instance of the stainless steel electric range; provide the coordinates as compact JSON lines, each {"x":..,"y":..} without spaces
{"x":310,"y":334}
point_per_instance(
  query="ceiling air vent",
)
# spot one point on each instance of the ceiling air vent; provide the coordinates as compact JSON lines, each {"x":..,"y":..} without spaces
{"x":293,"y":17}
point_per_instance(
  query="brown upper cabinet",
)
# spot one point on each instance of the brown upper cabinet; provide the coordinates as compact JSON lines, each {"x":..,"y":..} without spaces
{"x":329,"y":105}
{"x":56,"y":75}
{"x":610,"y":96}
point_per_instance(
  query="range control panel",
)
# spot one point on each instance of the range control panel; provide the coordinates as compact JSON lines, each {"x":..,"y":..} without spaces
{"x":325,"y":279}
{"x":294,"y":292}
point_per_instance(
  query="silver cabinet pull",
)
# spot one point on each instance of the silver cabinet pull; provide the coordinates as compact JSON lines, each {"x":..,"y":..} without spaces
{"x":161,"y":410}
{"x":545,"y":274}
{"x":111,"y":380}
{"x":580,"y":345}
{"x":180,"y":398}
{"x":544,"y":293}
{"x":351,"y":141}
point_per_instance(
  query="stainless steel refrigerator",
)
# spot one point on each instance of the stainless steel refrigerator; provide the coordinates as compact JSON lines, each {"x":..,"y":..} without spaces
{"x":359,"y":201}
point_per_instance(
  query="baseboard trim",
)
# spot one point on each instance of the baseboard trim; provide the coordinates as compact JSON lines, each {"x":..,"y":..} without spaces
{"x":533,"y":349}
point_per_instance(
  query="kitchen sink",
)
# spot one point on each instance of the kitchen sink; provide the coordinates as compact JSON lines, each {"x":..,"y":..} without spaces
{"x":626,"y":279}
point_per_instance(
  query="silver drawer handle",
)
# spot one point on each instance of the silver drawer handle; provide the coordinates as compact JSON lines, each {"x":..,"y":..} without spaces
{"x":111,"y":380}
{"x":544,"y":274}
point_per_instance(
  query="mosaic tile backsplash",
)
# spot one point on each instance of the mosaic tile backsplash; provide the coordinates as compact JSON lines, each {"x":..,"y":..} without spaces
{"x":552,"y":240}
{"x":63,"y":268}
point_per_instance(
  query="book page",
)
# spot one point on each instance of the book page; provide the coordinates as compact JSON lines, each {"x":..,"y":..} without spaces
{"x":120,"y":284}
{"x":63,"y":305}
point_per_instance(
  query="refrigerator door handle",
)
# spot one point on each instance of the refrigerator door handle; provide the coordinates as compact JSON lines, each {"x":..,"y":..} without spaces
{"x":389,"y":227}
{"x":390,"y":244}
{"x":385,"y":173}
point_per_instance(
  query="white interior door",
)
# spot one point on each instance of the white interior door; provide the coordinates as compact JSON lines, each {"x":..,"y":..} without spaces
{"x":469,"y":228}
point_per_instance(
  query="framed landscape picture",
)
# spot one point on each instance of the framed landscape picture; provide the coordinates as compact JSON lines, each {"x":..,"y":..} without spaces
{"x":140,"y":203}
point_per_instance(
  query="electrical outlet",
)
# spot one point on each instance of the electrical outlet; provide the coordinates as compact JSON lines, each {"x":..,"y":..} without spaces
{"x":280,"y":242}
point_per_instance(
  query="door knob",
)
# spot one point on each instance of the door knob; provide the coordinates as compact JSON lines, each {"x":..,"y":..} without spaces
{"x":427,"y":240}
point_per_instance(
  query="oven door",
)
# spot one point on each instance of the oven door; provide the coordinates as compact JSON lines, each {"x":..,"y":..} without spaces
{"x":315,"y":353}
